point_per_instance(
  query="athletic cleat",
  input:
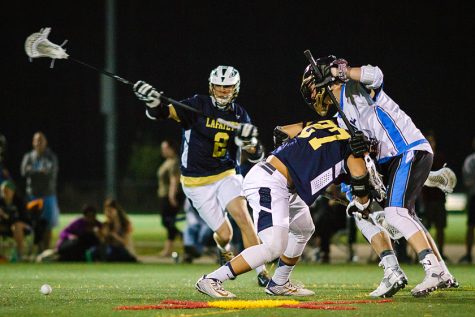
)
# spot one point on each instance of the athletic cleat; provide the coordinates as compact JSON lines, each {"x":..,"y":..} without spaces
{"x":263,"y":278}
{"x":448,"y":282}
{"x":224,"y":256}
{"x":288,"y":289}
{"x":212,"y":287}
{"x":434,"y":276}
{"x":394,"y":280}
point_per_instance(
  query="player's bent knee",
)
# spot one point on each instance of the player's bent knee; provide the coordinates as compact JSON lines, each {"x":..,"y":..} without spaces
{"x":367,"y":229}
{"x":275,"y":240}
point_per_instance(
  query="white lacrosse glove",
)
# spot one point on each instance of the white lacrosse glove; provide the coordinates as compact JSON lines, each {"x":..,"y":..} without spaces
{"x":246,"y":135}
{"x":358,"y":209}
{"x":444,"y":179}
{"x":147,"y":93}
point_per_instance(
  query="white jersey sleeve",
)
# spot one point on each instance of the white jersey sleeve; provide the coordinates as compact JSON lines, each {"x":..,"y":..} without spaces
{"x":381,"y":119}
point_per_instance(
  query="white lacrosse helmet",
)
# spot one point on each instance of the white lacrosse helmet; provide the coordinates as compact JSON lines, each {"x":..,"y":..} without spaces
{"x":224,"y":76}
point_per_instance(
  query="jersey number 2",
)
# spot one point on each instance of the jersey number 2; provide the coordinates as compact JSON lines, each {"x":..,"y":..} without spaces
{"x":220,"y":143}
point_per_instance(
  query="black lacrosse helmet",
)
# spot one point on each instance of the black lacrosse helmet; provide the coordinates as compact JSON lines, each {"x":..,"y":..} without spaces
{"x":319,"y":79}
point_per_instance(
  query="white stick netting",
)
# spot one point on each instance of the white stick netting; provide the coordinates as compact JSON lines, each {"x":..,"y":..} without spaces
{"x":38,"y":45}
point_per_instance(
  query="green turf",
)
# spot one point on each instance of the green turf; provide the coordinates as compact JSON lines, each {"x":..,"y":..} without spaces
{"x":95,"y":289}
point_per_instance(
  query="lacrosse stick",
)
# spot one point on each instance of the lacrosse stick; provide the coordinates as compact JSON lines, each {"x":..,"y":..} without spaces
{"x":374,"y":177}
{"x":376,"y":216}
{"x":444,"y":179}
{"x":37,"y":45}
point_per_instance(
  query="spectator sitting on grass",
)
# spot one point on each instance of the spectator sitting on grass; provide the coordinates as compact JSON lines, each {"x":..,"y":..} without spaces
{"x":80,"y":235}
{"x":115,"y":234}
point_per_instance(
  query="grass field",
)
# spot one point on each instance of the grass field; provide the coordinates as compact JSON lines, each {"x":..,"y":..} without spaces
{"x":96,"y":289}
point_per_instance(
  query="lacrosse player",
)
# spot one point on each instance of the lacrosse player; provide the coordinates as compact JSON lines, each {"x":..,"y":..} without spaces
{"x":279,"y":191}
{"x":208,"y":167}
{"x":404,"y":157}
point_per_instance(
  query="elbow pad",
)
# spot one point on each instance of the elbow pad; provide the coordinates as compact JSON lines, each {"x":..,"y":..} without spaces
{"x":371,"y":76}
{"x":158,"y":113}
{"x":360,"y":185}
{"x":279,"y":136}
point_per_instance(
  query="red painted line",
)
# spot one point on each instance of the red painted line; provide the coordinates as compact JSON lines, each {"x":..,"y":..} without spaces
{"x":319,"y":307}
{"x":324,"y":305}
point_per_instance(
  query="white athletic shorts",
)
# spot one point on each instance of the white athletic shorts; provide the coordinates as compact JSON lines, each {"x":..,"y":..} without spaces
{"x":211,"y":200}
{"x":268,"y":195}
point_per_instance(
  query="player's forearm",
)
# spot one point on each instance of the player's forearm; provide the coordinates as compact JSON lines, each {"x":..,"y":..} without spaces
{"x":354,"y":73}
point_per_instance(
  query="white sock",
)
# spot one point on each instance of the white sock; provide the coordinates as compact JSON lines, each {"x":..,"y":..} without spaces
{"x":282,"y":273}
{"x":259,"y":269}
{"x":224,"y":273}
{"x":390,"y":260}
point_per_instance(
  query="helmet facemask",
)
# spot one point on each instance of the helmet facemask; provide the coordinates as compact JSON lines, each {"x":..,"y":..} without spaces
{"x":224,"y":84}
{"x":313,"y":87}
{"x":317,"y":99}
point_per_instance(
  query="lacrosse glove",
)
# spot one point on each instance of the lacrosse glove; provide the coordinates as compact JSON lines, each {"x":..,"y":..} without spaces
{"x":359,"y":144}
{"x":342,"y":68}
{"x":147,"y":93}
{"x":246,"y":135}
{"x":360,"y":210}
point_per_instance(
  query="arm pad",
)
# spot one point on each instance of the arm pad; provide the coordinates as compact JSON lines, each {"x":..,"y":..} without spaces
{"x":158,"y":113}
{"x":360,"y":185}
{"x":371,"y":76}
{"x":279,"y":136}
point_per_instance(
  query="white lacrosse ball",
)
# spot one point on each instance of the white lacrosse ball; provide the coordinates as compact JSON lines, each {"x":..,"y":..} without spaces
{"x":46,"y":289}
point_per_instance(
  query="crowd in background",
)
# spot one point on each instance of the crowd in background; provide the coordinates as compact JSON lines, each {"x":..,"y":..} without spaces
{"x":35,"y":213}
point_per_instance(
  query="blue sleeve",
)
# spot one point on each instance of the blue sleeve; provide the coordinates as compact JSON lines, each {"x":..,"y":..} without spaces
{"x":346,"y":189}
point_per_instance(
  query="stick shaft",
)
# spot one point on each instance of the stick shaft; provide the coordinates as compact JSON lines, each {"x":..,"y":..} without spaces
{"x":127,"y":82}
{"x":104,"y":72}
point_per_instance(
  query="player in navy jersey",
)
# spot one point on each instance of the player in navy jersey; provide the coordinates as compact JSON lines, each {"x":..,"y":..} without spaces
{"x":208,"y":155}
{"x":303,"y":167}
{"x":404,"y":157}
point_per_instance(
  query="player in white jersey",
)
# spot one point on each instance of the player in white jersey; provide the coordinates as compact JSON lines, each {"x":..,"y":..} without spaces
{"x":404,"y":157}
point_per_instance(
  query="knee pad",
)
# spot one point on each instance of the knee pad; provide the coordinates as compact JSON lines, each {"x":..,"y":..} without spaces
{"x":274,"y":242}
{"x":400,"y":219}
{"x":367,"y":229}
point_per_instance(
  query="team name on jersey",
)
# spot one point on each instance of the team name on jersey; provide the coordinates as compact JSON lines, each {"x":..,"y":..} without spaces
{"x":212,"y":123}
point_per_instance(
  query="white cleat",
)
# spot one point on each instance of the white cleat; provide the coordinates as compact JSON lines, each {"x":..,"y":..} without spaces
{"x":288,"y":289}
{"x":394,"y":280}
{"x":212,"y":287}
{"x":448,"y":281}
{"x":434,"y":276}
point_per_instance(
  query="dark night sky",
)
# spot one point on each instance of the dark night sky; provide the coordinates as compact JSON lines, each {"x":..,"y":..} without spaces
{"x":425,"y":51}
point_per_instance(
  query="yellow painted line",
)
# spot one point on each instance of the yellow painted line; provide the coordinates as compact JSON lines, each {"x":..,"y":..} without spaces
{"x":243,"y":304}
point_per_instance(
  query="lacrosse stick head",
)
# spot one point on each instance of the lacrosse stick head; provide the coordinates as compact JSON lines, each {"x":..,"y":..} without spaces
{"x":444,"y":179}
{"x":38,"y":45}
